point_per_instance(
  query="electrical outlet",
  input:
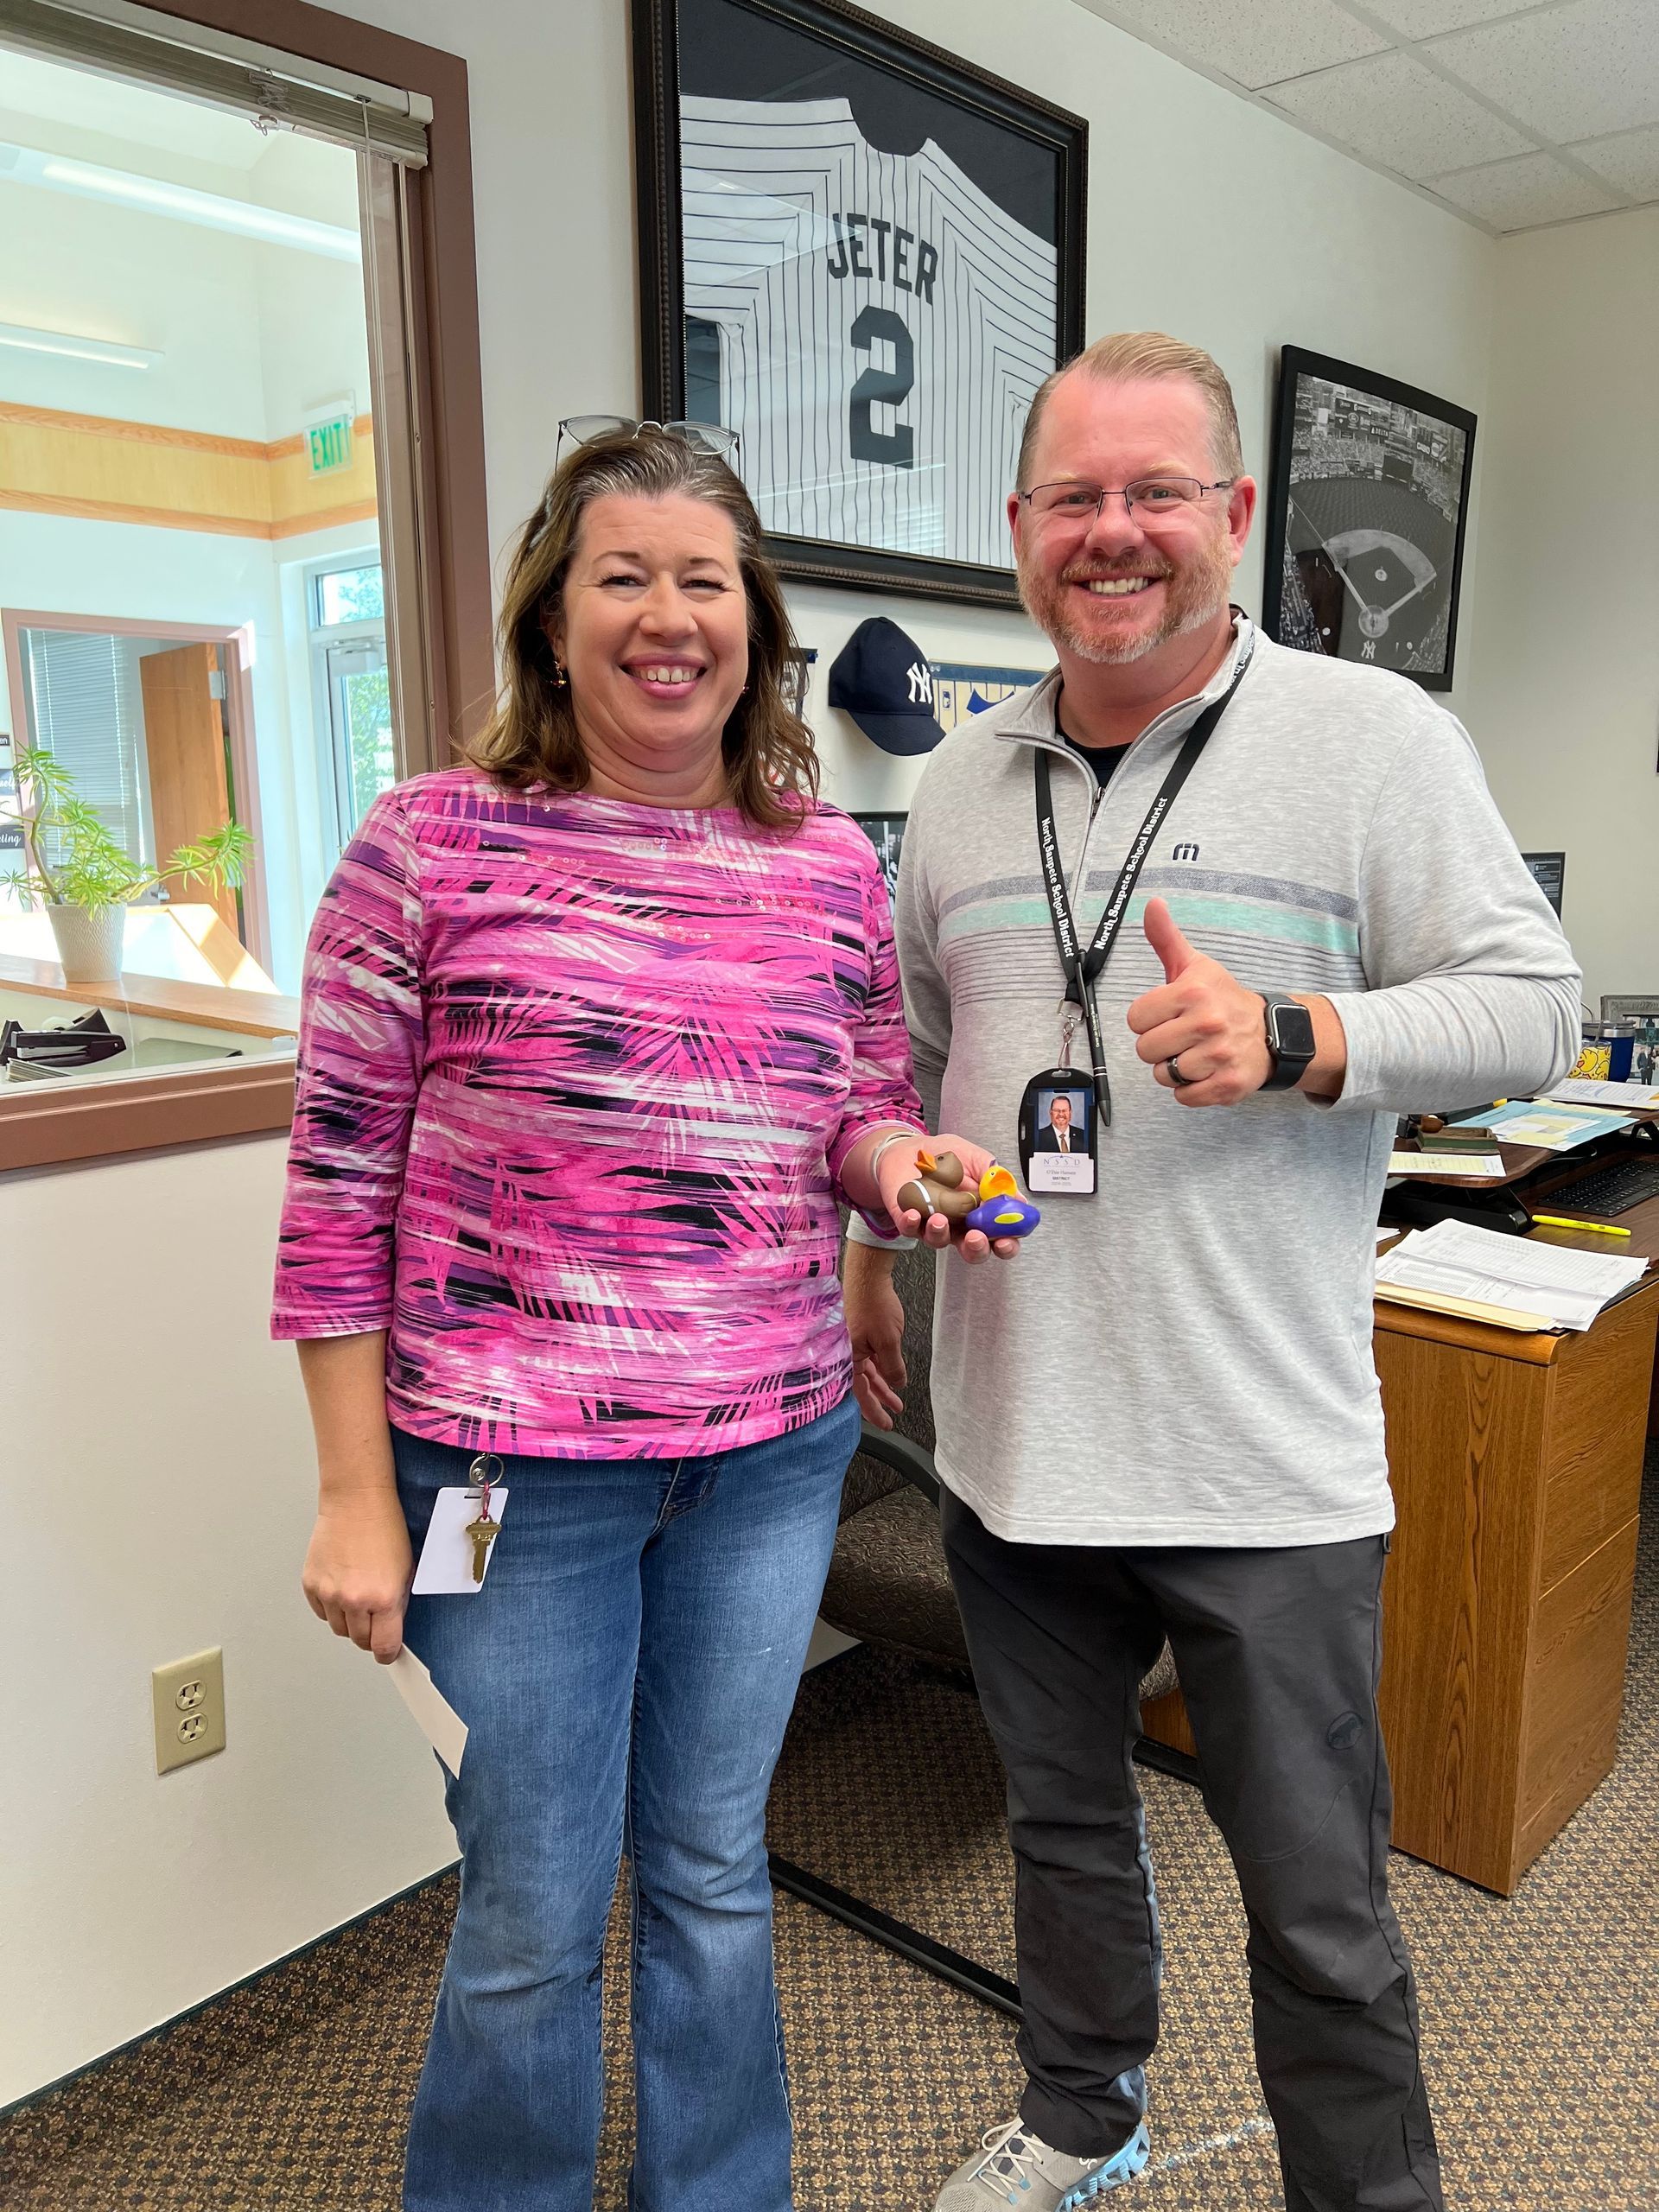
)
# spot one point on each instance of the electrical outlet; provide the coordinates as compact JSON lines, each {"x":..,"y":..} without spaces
{"x":189,"y":1701}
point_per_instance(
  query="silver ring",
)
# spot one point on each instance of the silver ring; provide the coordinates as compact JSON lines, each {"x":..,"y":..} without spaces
{"x":1175,"y":1075}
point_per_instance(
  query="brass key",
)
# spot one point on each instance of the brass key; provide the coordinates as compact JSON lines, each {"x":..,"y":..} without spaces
{"x":483,"y":1533}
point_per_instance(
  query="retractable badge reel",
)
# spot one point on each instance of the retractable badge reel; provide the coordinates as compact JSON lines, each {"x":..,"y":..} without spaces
{"x":1057,"y":1123}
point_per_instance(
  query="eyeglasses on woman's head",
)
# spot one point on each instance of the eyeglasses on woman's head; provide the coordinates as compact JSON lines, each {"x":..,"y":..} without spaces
{"x":704,"y":437}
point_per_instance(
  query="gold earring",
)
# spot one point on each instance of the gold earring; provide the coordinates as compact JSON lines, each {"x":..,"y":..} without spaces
{"x":561,"y":681}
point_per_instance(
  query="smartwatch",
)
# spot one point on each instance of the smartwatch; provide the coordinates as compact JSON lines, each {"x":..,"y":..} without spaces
{"x":1290,"y":1040}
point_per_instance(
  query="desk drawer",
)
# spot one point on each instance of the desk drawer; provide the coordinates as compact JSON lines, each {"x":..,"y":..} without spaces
{"x":1576,"y":1685}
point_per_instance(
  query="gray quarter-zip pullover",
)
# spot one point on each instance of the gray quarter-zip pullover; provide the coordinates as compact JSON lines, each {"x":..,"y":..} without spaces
{"x":1186,"y":1358}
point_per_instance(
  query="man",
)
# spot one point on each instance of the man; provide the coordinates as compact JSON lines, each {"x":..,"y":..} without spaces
{"x":1330,"y":924}
{"x":1058,"y":1136}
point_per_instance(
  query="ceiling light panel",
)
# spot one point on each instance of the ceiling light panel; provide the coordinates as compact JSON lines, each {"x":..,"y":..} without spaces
{"x":1426,"y":18}
{"x":1394,"y":110}
{"x":1629,"y":162}
{"x":1255,"y":45}
{"x":1574,"y":72}
{"x":1516,"y":196}
{"x":26,"y":338}
{"x":149,"y":196}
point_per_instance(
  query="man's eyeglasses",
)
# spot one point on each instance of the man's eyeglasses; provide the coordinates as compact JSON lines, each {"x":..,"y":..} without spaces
{"x":706,"y":437}
{"x":1157,"y":498}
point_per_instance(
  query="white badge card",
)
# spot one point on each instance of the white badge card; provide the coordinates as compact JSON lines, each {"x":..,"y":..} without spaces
{"x":453,"y":1562}
{"x":1057,"y":1135}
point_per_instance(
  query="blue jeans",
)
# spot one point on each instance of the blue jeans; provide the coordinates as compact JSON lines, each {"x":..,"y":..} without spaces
{"x":628,"y":1667}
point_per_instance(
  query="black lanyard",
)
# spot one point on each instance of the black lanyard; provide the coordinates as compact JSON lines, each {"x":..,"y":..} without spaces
{"x":1082,"y":966}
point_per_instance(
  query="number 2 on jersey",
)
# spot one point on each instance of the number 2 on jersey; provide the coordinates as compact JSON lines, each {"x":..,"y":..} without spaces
{"x":896,"y":448}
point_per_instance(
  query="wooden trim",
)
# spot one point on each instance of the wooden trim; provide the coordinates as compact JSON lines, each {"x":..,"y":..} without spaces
{"x":140,"y":434}
{"x":43,"y":502}
{"x":41,"y":1125}
{"x":325,"y":519}
{"x":137,"y":1113}
{"x":108,"y":471}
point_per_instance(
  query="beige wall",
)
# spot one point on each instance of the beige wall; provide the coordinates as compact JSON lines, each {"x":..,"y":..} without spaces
{"x":1563,"y":695}
{"x":140,"y":1392}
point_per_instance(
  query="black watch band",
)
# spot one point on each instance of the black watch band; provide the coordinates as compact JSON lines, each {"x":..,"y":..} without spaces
{"x":1290,"y":1040}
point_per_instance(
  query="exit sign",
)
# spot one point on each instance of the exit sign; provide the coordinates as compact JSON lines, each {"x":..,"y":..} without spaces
{"x":328,"y":445}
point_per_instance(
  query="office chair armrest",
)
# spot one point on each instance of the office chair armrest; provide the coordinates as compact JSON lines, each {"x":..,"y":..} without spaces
{"x":905,"y":1457}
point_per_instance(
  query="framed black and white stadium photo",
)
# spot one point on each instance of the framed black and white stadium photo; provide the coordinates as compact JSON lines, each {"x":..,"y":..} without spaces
{"x":1366,"y":513}
{"x":862,"y":256}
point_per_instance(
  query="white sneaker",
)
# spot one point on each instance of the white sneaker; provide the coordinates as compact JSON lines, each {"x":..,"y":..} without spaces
{"x":1013,"y":2167}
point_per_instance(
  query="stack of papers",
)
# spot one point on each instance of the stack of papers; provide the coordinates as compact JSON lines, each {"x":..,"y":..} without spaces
{"x":1454,"y":1267}
{"x":1446,"y":1163}
{"x":1630,"y":1098}
{"x":1551,"y":1125}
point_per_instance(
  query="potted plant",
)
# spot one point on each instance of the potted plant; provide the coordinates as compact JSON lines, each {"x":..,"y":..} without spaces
{"x":90,"y":879}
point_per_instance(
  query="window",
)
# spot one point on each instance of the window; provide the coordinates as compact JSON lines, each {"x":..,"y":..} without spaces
{"x":259,"y":435}
{"x":352,"y":687}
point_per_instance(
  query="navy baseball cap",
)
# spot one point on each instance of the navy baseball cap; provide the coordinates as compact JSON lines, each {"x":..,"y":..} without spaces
{"x":882,"y":679}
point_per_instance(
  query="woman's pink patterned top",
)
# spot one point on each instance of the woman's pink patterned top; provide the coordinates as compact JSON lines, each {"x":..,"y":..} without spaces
{"x":577,"y":1079}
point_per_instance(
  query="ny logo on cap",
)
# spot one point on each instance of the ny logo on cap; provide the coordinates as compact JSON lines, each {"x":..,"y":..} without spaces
{"x":921,"y":683}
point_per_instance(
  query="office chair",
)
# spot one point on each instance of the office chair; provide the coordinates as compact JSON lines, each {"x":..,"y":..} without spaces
{"x":889,"y":1587}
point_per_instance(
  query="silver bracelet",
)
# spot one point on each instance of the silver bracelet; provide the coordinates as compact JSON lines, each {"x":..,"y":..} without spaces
{"x":899,"y":1137}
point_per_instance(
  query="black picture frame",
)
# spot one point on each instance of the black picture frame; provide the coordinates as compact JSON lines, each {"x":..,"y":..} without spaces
{"x":1358,"y":503}
{"x":1035,"y":152}
{"x":1548,"y":872}
{"x":886,"y":833}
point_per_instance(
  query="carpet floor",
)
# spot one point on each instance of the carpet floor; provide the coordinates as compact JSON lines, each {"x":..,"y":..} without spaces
{"x":1541,"y":2011}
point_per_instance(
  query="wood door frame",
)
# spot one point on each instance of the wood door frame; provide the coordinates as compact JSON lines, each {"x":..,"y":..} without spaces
{"x":235,"y":644}
{"x":138,"y":1113}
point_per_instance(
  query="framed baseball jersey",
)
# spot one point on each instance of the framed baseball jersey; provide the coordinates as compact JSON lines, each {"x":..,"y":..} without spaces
{"x":863,"y":257}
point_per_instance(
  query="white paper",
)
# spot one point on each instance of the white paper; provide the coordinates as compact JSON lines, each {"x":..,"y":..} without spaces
{"x":1569,"y":1287}
{"x":1059,"y":1172}
{"x":1446,"y":1163}
{"x":446,"y":1562}
{"x":1580,"y":1090}
{"x":440,"y":1723}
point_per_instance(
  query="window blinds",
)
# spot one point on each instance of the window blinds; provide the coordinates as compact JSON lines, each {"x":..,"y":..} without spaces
{"x":86,"y":710}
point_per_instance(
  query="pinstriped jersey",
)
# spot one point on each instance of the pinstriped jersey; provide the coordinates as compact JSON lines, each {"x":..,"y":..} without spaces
{"x":876,"y":324}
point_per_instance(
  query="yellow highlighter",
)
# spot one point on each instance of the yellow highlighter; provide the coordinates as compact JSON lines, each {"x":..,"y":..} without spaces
{"x":1560,"y":1221}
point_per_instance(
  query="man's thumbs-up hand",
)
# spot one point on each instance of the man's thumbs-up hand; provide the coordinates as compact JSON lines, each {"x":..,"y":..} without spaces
{"x":1201,"y":1019}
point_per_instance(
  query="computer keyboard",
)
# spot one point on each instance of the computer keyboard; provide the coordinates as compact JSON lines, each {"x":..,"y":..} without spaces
{"x":1611,"y":1190}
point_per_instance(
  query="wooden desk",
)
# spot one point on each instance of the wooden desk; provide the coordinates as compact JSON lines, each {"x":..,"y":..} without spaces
{"x":1516,"y":1468}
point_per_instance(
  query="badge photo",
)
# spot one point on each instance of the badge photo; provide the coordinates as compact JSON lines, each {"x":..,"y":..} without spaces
{"x":1057,"y":1135}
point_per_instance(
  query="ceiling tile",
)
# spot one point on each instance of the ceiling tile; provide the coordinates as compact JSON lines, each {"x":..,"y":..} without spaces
{"x":1424,"y":18}
{"x":1255,"y":45}
{"x":1513,"y":195}
{"x":1629,"y":163}
{"x":1392,"y":109}
{"x":1572,"y":71}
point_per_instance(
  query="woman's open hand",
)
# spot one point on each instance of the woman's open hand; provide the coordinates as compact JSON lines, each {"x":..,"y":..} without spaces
{"x":898,"y":1167}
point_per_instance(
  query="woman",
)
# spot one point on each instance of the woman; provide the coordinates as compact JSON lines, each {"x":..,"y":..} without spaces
{"x":595,"y":1028}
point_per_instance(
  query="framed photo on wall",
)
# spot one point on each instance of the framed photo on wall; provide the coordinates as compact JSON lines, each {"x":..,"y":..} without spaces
{"x":863,"y":256}
{"x":1367,"y":507}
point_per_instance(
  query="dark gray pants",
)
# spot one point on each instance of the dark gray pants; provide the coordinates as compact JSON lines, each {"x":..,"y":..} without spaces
{"x":1279,"y":1654}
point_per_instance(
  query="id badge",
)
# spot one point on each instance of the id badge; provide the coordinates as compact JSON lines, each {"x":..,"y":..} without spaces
{"x":1057,"y":1135}
{"x":459,"y":1542}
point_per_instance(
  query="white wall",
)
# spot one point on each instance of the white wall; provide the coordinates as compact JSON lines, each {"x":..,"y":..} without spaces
{"x":1216,"y":222}
{"x":1563,"y":698}
{"x":156,"y":1455}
